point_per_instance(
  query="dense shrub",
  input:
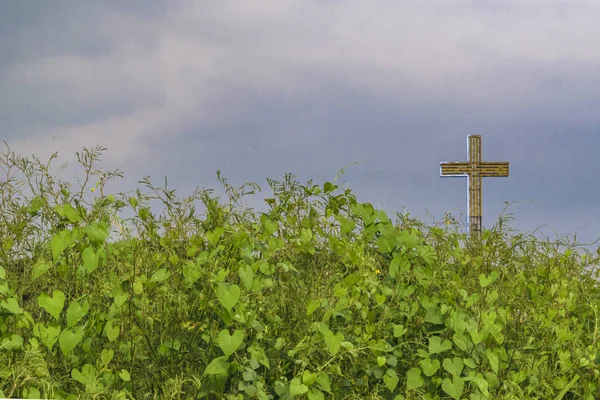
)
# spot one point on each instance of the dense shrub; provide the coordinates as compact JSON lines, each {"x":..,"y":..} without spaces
{"x":319,"y":297}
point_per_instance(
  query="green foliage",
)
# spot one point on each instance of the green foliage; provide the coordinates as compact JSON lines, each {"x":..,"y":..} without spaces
{"x":318,"y":297}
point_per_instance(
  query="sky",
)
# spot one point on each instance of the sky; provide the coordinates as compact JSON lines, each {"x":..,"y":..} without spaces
{"x":183,"y":88}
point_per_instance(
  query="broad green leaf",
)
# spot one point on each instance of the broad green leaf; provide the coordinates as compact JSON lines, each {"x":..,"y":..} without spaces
{"x":382,"y":216}
{"x":202,"y":258}
{"x":258,"y":354}
{"x":96,"y":232}
{"x":213,"y":237}
{"x":312,"y":306}
{"x":138,"y":287}
{"x":53,"y":305}
{"x":329,"y":187}
{"x":381,"y":361}
{"x":482,"y":384}
{"x":230,"y":343}
{"x":87,"y":375}
{"x":427,"y":253}
{"x":306,"y":236}
{"x":346,"y":224}
{"x":308,"y":378}
{"x":324,"y":382}
{"x":161,"y":275}
{"x":120,"y":299}
{"x":101,"y":253}
{"x":90,"y":259}
{"x":112,"y":329}
{"x":87,"y":345}
{"x":69,"y":339}
{"x":124,"y":374}
{"x":228,"y":295}
{"x":333,"y":342}
{"x":347,"y":345}
{"x":384,"y":245}
{"x":246,"y":274}
{"x":297,"y":388}
{"x":487,"y":280}
{"x":11,"y":305}
{"x":14,"y":343}
{"x":133,"y":201}
{"x":266,"y":268}
{"x":454,"y":387}
{"x":269,"y":227}
{"x":365,"y":211}
{"x":414,"y":380}
{"x":391,"y":379}
{"x":159,"y":258}
{"x":249,"y":375}
{"x":399,"y":330}
{"x":434,"y":314}
{"x":191,"y":272}
{"x":436,"y":345}
{"x":476,"y":335}
{"x":407,"y":291}
{"x":35,"y":204}
{"x":247,"y":256}
{"x":76,"y":311}
{"x":352,"y":279}
{"x":249,"y":390}
{"x":7,"y":244}
{"x":391,"y":360}
{"x":145,"y":214}
{"x":460,"y":340}
{"x":192,"y":250}
{"x":60,"y":242}
{"x":32,"y":393}
{"x":492,"y":297}
{"x":472,"y":300}
{"x":493,"y":359}
{"x":106,"y":356}
{"x":39,"y":268}
{"x":47,"y":334}
{"x":429,"y":366}
{"x":567,"y":387}
{"x":454,"y":366}
{"x":218,"y":366}
{"x":409,"y":239}
{"x":67,"y":211}
{"x":315,"y":394}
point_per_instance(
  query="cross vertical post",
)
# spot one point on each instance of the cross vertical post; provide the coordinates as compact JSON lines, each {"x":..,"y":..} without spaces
{"x":474,"y":169}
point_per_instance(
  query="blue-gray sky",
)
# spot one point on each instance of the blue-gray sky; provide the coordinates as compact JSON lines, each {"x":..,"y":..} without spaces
{"x":257,"y":89}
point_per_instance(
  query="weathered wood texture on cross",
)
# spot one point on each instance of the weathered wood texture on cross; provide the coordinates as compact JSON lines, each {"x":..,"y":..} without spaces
{"x":474,"y":169}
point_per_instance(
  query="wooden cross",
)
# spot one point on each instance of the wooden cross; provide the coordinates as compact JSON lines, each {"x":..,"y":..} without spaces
{"x":474,"y":169}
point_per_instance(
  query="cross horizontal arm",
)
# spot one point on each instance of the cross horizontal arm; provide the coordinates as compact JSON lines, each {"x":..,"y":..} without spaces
{"x":464,"y":168}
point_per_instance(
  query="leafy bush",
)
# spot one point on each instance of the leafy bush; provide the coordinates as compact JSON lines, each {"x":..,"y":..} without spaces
{"x":319,"y":297}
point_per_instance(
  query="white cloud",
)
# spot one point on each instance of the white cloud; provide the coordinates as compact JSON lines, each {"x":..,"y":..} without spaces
{"x":200,"y":52}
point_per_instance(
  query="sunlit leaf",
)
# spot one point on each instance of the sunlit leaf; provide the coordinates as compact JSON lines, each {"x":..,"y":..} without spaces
{"x":52,"y":304}
{"x":228,"y":295}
